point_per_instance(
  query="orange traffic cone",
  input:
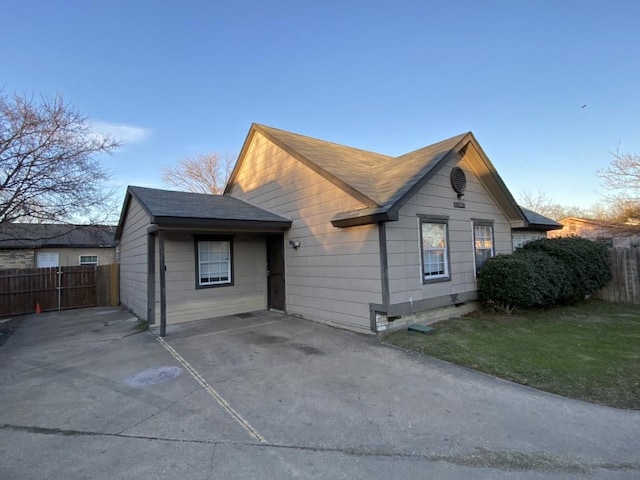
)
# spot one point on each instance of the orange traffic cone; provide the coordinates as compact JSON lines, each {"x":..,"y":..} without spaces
{"x":38,"y":309}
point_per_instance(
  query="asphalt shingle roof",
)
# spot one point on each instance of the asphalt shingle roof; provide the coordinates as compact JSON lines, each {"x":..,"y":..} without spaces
{"x":166,"y":204}
{"x":382,"y":179}
{"x":32,"y":235}
{"x":536,"y":219}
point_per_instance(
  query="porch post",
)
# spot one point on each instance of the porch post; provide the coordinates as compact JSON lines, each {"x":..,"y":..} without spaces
{"x":163,"y":285}
{"x":151,"y":278}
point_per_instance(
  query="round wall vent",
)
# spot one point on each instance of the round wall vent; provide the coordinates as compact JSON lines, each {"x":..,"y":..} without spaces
{"x":458,"y":180}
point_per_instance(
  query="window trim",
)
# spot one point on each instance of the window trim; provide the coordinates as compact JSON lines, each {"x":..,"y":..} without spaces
{"x":88,"y":263}
{"x":435,"y":219}
{"x":212,"y":238}
{"x":482,"y":223}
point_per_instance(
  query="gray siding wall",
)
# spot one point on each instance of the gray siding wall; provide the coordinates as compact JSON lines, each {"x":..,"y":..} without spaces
{"x":335,"y":273}
{"x":436,"y":198}
{"x":187,"y":303}
{"x":133,"y":260}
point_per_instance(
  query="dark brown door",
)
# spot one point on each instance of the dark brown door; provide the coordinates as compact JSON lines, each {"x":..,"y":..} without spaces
{"x":275,"y":272}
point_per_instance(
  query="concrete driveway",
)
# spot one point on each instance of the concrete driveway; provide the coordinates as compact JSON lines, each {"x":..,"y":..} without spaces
{"x":84,"y":395}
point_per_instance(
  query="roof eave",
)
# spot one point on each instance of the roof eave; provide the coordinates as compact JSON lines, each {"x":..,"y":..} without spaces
{"x":540,"y":226}
{"x":254,"y":225}
{"x":344,"y":221}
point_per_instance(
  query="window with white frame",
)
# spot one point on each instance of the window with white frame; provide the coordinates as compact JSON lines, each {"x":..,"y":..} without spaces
{"x":435,"y":255}
{"x":483,"y":243}
{"x":213,"y":262}
{"x":88,"y":260}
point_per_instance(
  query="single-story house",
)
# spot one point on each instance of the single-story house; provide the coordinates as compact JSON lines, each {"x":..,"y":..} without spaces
{"x":331,"y":233}
{"x":38,"y":245}
{"x":613,"y":234}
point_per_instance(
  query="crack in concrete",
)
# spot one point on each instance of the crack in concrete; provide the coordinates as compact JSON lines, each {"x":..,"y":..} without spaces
{"x":482,"y":458}
{"x":211,"y":463}
{"x":159,"y":411}
{"x":363,"y":412}
{"x":231,"y":377}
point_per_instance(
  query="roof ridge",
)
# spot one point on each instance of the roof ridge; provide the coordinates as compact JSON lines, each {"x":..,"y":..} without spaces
{"x":308,"y":137}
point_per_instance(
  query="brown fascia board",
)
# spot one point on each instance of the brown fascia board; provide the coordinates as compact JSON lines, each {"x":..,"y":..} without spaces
{"x":353,"y":219}
{"x":222,"y":223}
{"x":394,"y":208}
{"x":390,"y":213}
{"x":539,"y":226}
{"x":240,"y":160}
{"x":494,"y":173}
{"x":361,"y":197}
{"x":123,"y":213}
{"x":125,"y":206}
{"x":127,"y":201}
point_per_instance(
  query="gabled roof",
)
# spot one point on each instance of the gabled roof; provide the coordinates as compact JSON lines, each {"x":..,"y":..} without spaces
{"x":381,"y":182}
{"x":41,"y":235}
{"x":535,"y":220}
{"x":171,"y":209}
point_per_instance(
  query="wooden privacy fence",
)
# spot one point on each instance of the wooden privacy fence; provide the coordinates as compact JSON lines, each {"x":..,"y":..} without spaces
{"x":57,"y":288}
{"x":625,"y":266}
{"x":108,"y":285}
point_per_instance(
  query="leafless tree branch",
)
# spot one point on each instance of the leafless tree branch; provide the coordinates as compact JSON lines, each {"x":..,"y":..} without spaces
{"x":622,"y":177}
{"x":48,"y":166}
{"x":202,"y":173}
{"x":541,"y":203}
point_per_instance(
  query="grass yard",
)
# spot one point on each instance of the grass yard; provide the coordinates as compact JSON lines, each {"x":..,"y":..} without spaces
{"x":589,"y":351}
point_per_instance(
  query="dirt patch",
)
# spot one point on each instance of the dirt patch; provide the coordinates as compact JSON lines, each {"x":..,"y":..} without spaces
{"x":8,"y":326}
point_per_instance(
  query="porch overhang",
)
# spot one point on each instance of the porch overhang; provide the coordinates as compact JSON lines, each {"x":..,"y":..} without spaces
{"x":219,"y":224}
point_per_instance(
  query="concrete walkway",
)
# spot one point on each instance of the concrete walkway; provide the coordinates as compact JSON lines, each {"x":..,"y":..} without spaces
{"x":84,"y":395}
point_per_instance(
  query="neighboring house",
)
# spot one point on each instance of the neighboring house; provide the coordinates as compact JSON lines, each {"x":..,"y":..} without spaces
{"x":324,"y":231}
{"x":538,"y":226}
{"x":31,"y":245}
{"x":613,"y":234}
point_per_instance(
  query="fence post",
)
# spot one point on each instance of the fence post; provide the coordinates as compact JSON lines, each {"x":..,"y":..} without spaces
{"x":59,"y":276}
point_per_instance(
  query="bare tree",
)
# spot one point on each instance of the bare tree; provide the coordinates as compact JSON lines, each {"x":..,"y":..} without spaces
{"x":622,"y":178}
{"x":535,"y":200}
{"x":202,"y":173}
{"x":48,"y":166}
{"x":541,"y":203}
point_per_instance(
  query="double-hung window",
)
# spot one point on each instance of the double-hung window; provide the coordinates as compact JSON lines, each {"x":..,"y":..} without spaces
{"x":434,"y":243}
{"x":213,"y":262}
{"x":482,"y":243}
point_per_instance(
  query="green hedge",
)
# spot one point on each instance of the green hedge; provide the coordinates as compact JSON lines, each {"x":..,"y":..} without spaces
{"x":545,"y":272}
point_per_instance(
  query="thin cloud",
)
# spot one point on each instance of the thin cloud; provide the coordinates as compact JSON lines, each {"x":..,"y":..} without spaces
{"x":121,"y":132}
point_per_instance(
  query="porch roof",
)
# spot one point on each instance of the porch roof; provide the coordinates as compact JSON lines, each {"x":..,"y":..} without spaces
{"x":167,"y":208}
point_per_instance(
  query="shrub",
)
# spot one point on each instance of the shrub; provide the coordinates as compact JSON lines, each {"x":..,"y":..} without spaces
{"x":510,"y":282}
{"x":584,"y":264}
{"x":545,"y":272}
{"x":551,"y":279}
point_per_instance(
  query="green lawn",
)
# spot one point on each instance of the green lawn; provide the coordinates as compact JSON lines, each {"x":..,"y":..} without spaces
{"x":589,"y":351}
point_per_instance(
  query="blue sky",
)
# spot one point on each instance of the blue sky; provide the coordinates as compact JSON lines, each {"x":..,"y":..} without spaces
{"x":177,"y":78}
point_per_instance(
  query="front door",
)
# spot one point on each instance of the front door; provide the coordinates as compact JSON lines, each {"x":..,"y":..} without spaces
{"x":275,"y":272}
